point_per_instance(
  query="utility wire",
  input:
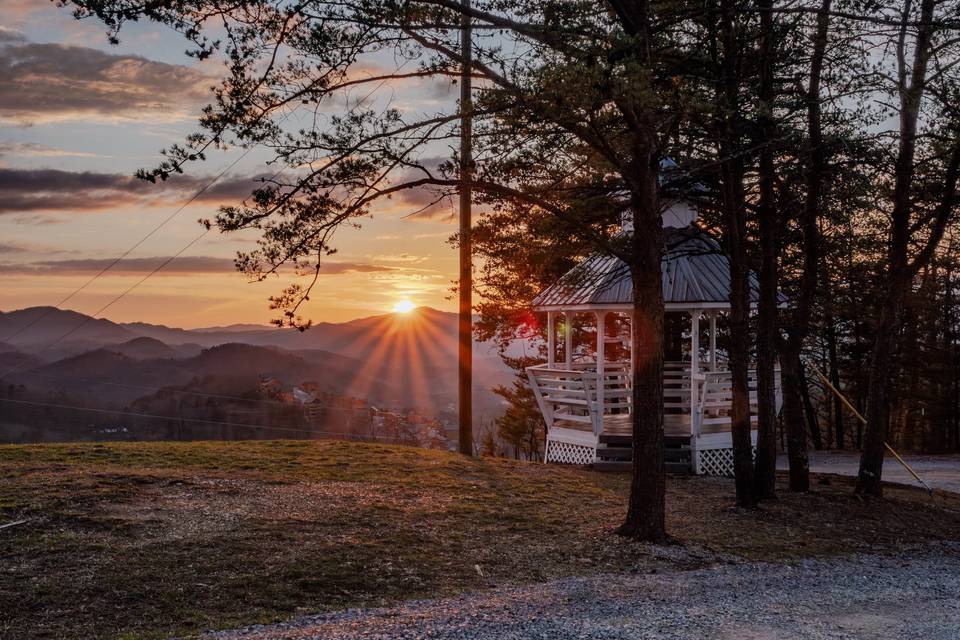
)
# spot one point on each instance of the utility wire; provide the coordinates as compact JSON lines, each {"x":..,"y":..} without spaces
{"x":161,"y":266}
{"x":116,"y":299}
{"x":126,"y":253}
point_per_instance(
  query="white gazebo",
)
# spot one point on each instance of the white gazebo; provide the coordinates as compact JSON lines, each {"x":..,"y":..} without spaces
{"x":584,"y":393}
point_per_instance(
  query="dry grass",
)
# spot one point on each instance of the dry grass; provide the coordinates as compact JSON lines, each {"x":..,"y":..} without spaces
{"x":148,"y":540}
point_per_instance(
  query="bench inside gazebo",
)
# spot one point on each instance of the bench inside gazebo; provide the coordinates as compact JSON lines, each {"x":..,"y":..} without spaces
{"x":584,"y":390}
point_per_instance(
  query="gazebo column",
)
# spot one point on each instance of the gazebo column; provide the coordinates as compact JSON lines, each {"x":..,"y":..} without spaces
{"x":713,"y":341}
{"x":694,"y":372}
{"x":601,"y":358}
{"x":551,"y":340}
{"x":568,"y":339}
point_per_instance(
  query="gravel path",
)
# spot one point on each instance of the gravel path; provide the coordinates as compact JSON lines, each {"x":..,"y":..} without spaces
{"x":940,"y":472}
{"x":910,"y":595}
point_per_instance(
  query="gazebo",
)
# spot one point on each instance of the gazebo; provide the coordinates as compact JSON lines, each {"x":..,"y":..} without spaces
{"x":585,"y":396}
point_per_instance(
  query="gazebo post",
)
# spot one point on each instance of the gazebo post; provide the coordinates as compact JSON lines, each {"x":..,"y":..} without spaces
{"x":568,"y":339}
{"x":601,"y":344}
{"x":551,"y":340}
{"x":713,"y":341}
{"x":694,"y":369}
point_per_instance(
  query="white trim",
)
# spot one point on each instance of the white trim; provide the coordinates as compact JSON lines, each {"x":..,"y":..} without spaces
{"x":695,"y":378}
{"x":722,"y":440}
{"x":713,"y":341}
{"x":551,"y":338}
{"x":572,"y":436}
{"x":669,"y":306}
{"x":601,"y":362}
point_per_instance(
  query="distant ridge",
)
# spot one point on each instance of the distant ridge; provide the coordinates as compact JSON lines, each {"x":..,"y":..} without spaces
{"x":144,"y":348}
{"x":404,"y":359}
{"x":54,"y":324}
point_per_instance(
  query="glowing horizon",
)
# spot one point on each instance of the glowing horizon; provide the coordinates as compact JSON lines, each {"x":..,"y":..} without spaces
{"x":403,"y":306}
{"x":55,"y":237}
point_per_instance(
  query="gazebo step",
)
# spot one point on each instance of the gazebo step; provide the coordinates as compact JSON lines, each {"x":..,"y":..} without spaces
{"x":670,"y":454}
{"x":606,"y":452}
{"x":626,"y":440}
{"x":622,"y":466}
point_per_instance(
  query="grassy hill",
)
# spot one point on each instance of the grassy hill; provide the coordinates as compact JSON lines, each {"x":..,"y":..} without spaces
{"x":153,"y":539}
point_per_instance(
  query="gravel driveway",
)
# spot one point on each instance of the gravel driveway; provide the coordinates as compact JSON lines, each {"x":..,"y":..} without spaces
{"x":912,"y":594}
{"x":940,"y":472}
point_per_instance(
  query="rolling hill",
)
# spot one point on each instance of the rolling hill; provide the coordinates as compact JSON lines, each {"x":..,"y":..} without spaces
{"x":33,"y":328}
{"x":114,"y":378}
{"x":144,"y":348}
{"x":400,"y":361}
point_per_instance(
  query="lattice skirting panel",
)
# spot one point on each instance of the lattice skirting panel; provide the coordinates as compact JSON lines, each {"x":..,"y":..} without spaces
{"x":568,"y":453}
{"x":716,"y":462}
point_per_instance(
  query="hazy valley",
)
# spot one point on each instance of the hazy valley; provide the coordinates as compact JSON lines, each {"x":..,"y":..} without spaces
{"x":107,"y":380}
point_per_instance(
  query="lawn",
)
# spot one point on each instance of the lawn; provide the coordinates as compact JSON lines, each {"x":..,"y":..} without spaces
{"x":156,"y":539}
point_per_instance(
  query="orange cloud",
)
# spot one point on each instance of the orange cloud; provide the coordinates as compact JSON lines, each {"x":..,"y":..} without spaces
{"x":51,"y":82}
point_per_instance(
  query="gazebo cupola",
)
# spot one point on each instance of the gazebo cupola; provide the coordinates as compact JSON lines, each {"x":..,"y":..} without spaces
{"x":584,"y":390}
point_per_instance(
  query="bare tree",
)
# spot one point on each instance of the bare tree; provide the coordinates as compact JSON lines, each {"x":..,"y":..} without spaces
{"x":925,"y":88}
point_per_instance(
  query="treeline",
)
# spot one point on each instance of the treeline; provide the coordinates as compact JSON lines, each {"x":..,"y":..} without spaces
{"x":210,"y":408}
{"x":925,"y":395}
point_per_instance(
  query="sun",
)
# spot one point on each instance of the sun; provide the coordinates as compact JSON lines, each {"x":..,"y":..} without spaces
{"x":403,"y":306}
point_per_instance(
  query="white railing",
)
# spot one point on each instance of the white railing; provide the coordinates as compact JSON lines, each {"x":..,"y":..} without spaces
{"x":569,"y":397}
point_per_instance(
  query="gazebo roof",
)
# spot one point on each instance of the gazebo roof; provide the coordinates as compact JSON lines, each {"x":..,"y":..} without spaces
{"x":695,"y":273}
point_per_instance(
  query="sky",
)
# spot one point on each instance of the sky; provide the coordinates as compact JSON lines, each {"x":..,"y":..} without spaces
{"x":79,"y":116}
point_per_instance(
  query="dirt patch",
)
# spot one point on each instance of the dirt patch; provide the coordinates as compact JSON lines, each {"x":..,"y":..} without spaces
{"x":153,"y":540}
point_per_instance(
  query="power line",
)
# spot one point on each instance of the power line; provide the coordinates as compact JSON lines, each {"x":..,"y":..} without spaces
{"x":161,"y":266}
{"x":147,"y":236}
{"x":126,"y":253}
{"x":116,"y":299}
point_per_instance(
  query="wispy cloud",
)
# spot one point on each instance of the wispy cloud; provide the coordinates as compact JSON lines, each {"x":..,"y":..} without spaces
{"x":335,"y":268}
{"x":400,"y":257}
{"x":127,"y":266}
{"x":32,"y":149}
{"x":183,"y":265}
{"x":50,"y":82}
{"x":8,"y":248}
{"x":29,"y":190}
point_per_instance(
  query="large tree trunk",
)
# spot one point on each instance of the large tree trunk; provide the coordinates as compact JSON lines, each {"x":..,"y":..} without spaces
{"x":793,"y":382}
{"x":951,"y":346}
{"x":766,"y":464}
{"x":735,"y":235}
{"x":646,"y":519}
{"x":898,"y":274}
{"x":878,"y":398}
{"x":739,"y":344}
{"x":791,"y":370}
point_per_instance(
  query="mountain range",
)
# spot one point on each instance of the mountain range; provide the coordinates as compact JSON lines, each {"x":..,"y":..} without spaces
{"x":403,"y":361}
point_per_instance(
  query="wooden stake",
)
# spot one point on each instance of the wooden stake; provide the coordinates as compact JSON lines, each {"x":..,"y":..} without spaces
{"x":859,"y":417}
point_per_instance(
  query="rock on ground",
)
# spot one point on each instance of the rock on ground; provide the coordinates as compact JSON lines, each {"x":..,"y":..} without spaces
{"x":912,"y":594}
